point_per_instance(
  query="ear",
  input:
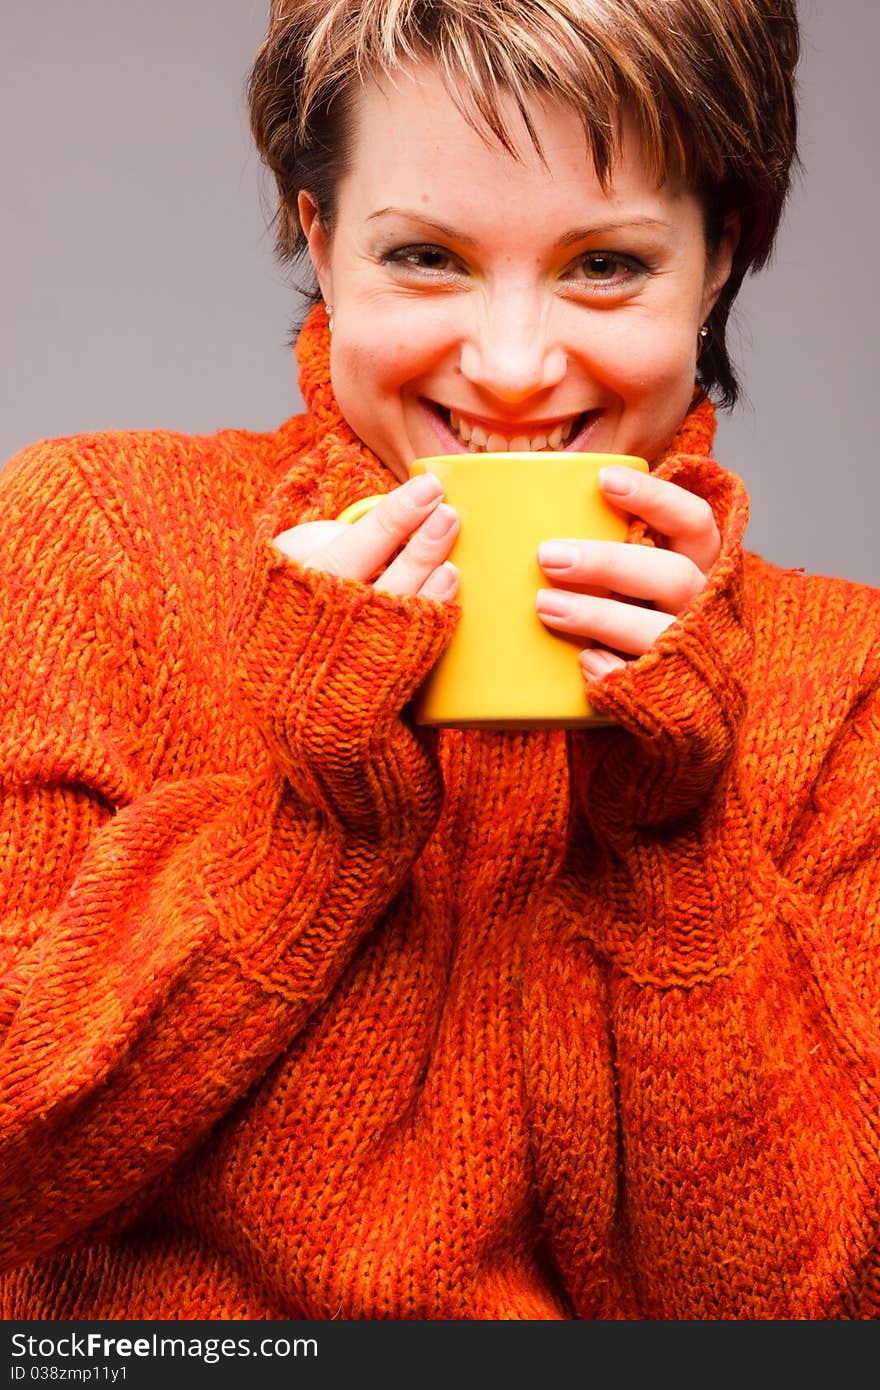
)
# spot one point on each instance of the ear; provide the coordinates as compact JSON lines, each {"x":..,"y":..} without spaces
{"x":318,"y":242}
{"x":720,"y":263}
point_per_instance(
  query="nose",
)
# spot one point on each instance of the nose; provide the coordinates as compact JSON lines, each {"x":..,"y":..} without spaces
{"x":511,"y":352}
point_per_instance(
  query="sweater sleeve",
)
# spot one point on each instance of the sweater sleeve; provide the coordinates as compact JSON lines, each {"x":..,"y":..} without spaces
{"x":730,"y":832}
{"x":167,"y":930}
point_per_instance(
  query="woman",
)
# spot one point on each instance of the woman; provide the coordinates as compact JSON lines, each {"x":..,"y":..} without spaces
{"x":310,"y":1013}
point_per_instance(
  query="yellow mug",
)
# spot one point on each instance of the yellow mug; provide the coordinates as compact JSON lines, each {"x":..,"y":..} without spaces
{"x":503,"y":669}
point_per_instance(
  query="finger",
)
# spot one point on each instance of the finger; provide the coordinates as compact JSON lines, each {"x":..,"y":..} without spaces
{"x":442,"y":583}
{"x":371,"y":543}
{"x":301,"y":542}
{"x":627,"y":627}
{"x":426,"y":548}
{"x":663,"y":577}
{"x":596,"y":663}
{"x":685,"y":519}
{"x":361,"y":549}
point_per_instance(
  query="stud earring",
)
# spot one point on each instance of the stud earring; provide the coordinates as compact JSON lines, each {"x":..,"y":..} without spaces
{"x":701,"y":339}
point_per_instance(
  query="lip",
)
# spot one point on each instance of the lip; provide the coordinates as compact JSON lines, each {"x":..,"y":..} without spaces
{"x":439,"y":416}
{"x":512,"y":427}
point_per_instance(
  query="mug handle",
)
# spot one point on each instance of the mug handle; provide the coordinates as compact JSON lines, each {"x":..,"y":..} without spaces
{"x":356,"y":510}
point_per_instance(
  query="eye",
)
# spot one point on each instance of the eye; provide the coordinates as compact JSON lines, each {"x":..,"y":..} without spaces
{"x":425,"y":259}
{"x":601,"y":267}
{"x":606,"y":270}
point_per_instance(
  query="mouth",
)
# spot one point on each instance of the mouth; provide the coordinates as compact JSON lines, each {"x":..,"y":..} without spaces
{"x":481,"y":436}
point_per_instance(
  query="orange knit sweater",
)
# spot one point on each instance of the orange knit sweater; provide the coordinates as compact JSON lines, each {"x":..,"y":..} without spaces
{"x":307,"y":1014}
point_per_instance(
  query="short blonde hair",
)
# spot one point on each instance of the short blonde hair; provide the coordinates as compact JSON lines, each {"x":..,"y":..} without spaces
{"x":709,"y":83}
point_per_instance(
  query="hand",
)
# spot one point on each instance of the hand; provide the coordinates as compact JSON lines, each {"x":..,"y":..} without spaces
{"x":400,"y":545}
{"x":666,"y":580}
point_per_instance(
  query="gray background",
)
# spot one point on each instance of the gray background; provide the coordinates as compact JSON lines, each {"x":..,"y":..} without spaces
{"x":138,"y":287}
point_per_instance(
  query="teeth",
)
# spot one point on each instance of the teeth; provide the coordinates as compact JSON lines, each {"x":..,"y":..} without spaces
{"x":478,"y":438}
{"x":461,"y":427}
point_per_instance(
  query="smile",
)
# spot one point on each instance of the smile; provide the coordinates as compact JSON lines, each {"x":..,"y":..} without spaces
{"x":482,"y":438}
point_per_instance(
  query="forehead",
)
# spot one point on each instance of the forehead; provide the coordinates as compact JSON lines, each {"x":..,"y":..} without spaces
{"x":409,"y":139}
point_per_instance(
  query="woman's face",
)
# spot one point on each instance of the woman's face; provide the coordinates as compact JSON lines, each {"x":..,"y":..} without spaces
{"x":482,"y":301}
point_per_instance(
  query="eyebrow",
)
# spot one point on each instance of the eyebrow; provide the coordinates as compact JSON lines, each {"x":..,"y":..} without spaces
{"x":612,"y":227}
{"x":627,"y":224}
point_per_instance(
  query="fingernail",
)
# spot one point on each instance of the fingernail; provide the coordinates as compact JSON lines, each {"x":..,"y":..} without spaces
{"x":424,"y":488}
{"x":620,"y":482}
{"x":553,"y":603}
{"x":556,"y":555}
{"x":444,"y":581}
{"x":440,"y":522}
{"x":596,"y":664}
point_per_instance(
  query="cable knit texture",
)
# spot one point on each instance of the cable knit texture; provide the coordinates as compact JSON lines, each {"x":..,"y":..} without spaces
{"x":306,"y":1012}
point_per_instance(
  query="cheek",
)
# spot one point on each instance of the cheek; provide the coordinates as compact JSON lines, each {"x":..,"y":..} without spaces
{"x":394,"y":340}
{"x":369,"y":378}
{"x":651,"y":373}
{"x":382,"y":362}
{"x":365,"y":379}
{"x":647,"y":359}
